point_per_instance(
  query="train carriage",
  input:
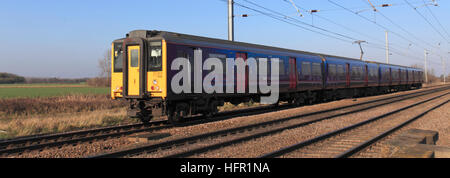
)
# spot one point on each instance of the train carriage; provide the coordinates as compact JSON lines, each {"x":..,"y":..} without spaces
{"x":372,"y":74}
{"x":396,"y":78}
{"x":309,"y":68}
{"x":410,"y":76}
{"x":337,"y":71}
{"x":418,"y":78}
{"x":146,"y":65}
{"x":403,"y":76}
{"x":357,"y":74}
{"x":385,"y":76}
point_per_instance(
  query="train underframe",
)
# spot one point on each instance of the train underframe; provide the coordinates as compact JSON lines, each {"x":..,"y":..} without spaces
{"x":176,"y":110}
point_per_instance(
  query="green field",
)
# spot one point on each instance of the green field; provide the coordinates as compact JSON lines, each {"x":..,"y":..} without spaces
{"x":47,"y":90}
{"x":43,"y":85}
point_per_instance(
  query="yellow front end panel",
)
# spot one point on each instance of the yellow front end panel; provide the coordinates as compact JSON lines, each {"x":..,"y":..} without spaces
{"x":156,"y":80}
{"x":133,"y":70}
{"x":116,"y":78}
{"x":116,"y":85}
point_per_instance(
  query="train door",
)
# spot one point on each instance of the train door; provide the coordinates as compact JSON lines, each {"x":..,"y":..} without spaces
{"x":367,"y":75}
{"x":133,"y":70}
{"x":347,"y":78}
{"x":292,"y":73}
{"x":245,"y":82}
{"x":390,"y":76}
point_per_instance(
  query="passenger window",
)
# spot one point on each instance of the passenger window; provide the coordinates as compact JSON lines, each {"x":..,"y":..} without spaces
{"x":154,"y":62}
{"x":357,"y":73}
{"x":306,"y":70}
{"x":394,"y":75}
{"x":332,"y":71}
{"x":134,"y":58}
{"x":354,"y":73}
{"x":341,"y":73}
{"x":118,"y":57}
{"x":316,"y":69}
{"x":386,"y":74}
{"x":222,"y":58}
{"x":282,"y":67}
{"x":361,"y":73}
{"x":373,"y":73}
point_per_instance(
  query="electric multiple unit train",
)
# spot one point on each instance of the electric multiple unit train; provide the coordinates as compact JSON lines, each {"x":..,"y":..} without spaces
{"x":142,"y":74}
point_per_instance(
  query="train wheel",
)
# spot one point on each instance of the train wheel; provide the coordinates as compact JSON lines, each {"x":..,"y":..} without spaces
{"x":145,"y":119}
{"x":175,"y":116}
{"x":299,"y":101}
{"x":178,"y":113}
{"x":212,"y":109}
{"x":291,"y":101}
{"x":276,"y":104}
{"x":214,"y":106}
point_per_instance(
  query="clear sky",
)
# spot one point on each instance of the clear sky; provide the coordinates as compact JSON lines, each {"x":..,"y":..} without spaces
{"x":65,"y":38}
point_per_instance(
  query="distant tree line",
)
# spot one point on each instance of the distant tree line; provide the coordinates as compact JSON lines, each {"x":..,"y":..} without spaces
{"x":99,"y":82}
{"x":54,"y":80}
{"x":7,"y":78}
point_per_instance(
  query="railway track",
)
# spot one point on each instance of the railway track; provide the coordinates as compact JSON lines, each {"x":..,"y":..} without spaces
{"x":244,"y":133}
{"x":57,"y":140}
{"x":43,"y":141}
{"x":352,"y":139}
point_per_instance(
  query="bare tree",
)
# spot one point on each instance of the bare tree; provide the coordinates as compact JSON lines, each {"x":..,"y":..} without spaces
{"x":104,"y":64}
{"x":104,"y":78}
{"x":420,"y":66}
{"x":432,"y":78}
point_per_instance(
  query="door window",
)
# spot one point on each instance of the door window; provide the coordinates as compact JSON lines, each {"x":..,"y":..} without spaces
{"x":134,"y":58}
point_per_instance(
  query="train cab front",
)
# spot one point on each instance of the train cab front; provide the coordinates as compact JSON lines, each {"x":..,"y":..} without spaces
{"x":139,"y":75}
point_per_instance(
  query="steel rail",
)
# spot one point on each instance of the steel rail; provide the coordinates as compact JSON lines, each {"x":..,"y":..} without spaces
{"x":325,"y":136}
{"x":234,"y":141}
{"x":185,"y":140}
{"x":373,"y":140}
{"x":53,"y":140}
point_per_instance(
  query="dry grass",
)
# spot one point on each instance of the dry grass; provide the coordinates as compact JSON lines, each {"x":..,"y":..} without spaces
{"x":228,"y":106}
{"x":27,"y":116}
{"x":63,"y":122}
{"x":16,"y":107}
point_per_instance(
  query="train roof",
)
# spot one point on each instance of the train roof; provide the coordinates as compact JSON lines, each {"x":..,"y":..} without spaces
{"x":174,"y":36}
{"x":392,"y":65}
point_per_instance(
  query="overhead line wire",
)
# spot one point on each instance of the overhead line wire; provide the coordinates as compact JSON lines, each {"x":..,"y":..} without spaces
{"x":293,"y":19}
{"x":291,"y":23}
{"x":379,"y":25}
{"x":437,"y":20}
{"x":429,"y":23}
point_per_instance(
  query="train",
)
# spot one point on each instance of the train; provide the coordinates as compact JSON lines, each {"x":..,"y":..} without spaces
{"x":143,"y":72}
